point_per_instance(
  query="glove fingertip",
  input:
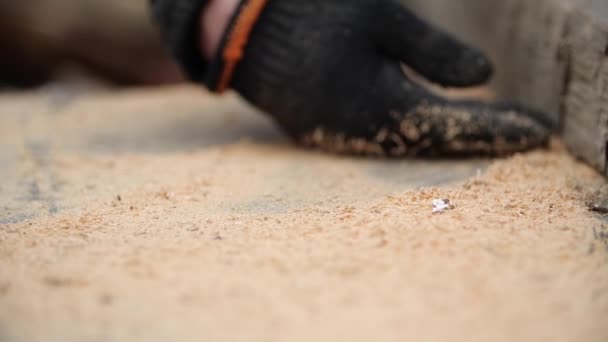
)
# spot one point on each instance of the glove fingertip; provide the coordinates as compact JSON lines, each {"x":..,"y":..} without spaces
{"x":547,"y":120}
{"x":471,"y":68}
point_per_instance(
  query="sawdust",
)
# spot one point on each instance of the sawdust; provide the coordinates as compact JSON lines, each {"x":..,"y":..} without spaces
{"x":439,"y":130}
{"x":521,"y":258}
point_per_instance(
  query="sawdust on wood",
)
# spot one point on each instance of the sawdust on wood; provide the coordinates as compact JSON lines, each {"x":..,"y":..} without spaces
{"x":521,"y":258}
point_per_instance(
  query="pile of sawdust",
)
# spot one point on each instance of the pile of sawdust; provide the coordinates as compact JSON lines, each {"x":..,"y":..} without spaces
{"x":519,"y":258}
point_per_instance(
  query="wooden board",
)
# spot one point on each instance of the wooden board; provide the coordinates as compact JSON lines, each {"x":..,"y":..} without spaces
{"x":58,"y":149}
{"x":552,"y":54}
{"x":192,"y":217}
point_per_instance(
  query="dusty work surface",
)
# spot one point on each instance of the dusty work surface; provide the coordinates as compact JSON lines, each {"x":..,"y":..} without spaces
{"x":168,"y":215}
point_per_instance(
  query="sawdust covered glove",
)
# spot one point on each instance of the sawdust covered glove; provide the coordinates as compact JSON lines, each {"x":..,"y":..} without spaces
{"x":329,"y":72}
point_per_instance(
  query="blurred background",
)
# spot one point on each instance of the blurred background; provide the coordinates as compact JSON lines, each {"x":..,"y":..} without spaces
{"x":116,"y":40}
{"x":112,"y":40}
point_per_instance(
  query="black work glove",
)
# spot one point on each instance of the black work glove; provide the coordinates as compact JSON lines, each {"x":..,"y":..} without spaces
{"x":329,"y":72}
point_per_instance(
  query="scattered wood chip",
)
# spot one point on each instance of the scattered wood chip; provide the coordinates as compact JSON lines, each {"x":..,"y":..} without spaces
{"x":441,"y":205}
{"x":598,"y":201}
{"x":602,"y":209}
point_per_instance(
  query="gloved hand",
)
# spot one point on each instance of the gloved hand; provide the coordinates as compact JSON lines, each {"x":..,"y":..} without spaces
{"x":329,"y":72}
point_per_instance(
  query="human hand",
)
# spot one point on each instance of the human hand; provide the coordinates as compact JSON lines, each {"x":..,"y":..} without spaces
{"x":329,"y":72}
